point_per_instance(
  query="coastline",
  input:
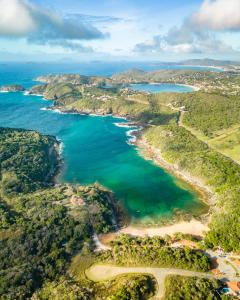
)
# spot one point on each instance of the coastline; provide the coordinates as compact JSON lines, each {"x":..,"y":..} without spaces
{"x":149,"y":152}
{"x":58,"y":148}
{"x":194,"y":226}
{"x":195,"y":88}
{"x":219,"y":68}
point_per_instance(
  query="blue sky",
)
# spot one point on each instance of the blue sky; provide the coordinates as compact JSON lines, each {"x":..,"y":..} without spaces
{"x":119,"y":29}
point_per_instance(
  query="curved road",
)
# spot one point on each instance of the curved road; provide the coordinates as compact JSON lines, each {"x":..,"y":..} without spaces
{"x":99,"y":272}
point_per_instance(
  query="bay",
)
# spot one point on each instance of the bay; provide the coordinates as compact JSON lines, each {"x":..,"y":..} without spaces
{"x":96,"y":150}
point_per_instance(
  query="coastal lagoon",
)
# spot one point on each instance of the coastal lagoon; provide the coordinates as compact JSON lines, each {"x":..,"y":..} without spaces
{"x":96,"y":149}
{"x":161,"y":88}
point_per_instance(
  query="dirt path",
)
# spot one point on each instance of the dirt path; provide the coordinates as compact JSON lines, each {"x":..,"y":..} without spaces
{"x":101,"y":272}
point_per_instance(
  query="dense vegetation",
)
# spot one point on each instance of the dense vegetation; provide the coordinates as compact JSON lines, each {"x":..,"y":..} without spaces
{"x":178,"y":146}
{"x":130,"y":287}
{"x":209,"y":113}
{"x":65,"y":289}
{"x":41,"y":229}
{"x":99,"y":206}
{"x":133,"y":251}
{"x":44,"y":238}
{"x":190,"y":288}
{"x":27,"y":160}
{"x":74,"y":79}
{"x":204,"y":116}
{"x":71,"y":97}
{"x":226,"y":83}
{"x":39,"y":236}
{"x":134,"y":288}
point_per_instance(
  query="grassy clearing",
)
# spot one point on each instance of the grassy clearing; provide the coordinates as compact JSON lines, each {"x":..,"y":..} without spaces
{"x":198,"y":134}
{"x":228,"y":143}
{"x":7,"y":234}
{"x":79,"y":264}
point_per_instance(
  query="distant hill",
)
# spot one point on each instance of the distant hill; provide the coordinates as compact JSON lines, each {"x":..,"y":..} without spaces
{"x":209,"y":62}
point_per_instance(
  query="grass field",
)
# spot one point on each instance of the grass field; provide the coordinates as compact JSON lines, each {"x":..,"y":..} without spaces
{"x":79,"y":264}
{"x":228,"y":143}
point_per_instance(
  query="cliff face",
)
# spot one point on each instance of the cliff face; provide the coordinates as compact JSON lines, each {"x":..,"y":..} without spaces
{"x":12,"y":88}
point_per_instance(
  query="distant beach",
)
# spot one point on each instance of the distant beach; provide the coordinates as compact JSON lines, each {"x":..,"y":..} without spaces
{"x":195,"y":88}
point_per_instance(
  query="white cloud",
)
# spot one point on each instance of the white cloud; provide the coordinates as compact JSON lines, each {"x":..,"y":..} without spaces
{"x":184,"y":40}
{"x":197,"y":34}
{"x":218,"y":15}
{"x":15,"y":18}
{"x":21,"y":18}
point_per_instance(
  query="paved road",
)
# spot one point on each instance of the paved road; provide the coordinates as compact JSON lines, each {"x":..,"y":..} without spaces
{"x":99,"y":272}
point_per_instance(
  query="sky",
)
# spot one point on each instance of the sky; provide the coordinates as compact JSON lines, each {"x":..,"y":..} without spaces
{"x":136,"y":30}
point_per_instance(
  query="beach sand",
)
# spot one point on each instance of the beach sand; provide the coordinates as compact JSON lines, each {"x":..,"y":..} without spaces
{"x":194,"y":227}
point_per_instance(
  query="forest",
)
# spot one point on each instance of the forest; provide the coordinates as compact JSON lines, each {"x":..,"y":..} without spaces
{"x":178,"y":146}
{"x":42,"y":231}
{"x":187,"y":288}
{"x":154,"y":252}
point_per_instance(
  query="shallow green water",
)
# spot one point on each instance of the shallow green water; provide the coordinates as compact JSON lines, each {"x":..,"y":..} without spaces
{"x":96,"y":150}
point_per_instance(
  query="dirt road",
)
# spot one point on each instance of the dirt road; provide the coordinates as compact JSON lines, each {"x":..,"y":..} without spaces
{"x":99,"y":272}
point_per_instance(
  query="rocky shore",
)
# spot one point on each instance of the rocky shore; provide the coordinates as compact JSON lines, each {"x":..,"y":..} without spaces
{"x":149,"y":152}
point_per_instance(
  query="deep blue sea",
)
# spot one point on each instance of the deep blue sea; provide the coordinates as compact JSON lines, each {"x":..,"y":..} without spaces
{"x":94,"y":148}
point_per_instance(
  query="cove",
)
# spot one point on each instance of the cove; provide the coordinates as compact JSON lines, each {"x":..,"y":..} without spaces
{"x":161,"y":88}
{"x":96,"y":150}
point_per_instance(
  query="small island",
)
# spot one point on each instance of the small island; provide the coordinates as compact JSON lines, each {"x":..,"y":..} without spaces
{"x":12,"y":88}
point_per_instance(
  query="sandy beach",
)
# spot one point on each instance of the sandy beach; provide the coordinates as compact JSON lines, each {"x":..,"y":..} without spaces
{"x":193,"y":227}
{"x":195,"y":88}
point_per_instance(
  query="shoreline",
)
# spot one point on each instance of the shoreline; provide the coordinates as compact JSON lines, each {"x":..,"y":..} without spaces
{"x":207,"y":195}
{"x":193,"y":227}
{"x":58,"y":147}
{"x":220,"y":68}
{"x":195,"y":88}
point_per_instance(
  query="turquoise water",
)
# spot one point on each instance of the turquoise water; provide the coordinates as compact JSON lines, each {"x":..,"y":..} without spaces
{"x":95,"y":149}
{"x":162,"y":88}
